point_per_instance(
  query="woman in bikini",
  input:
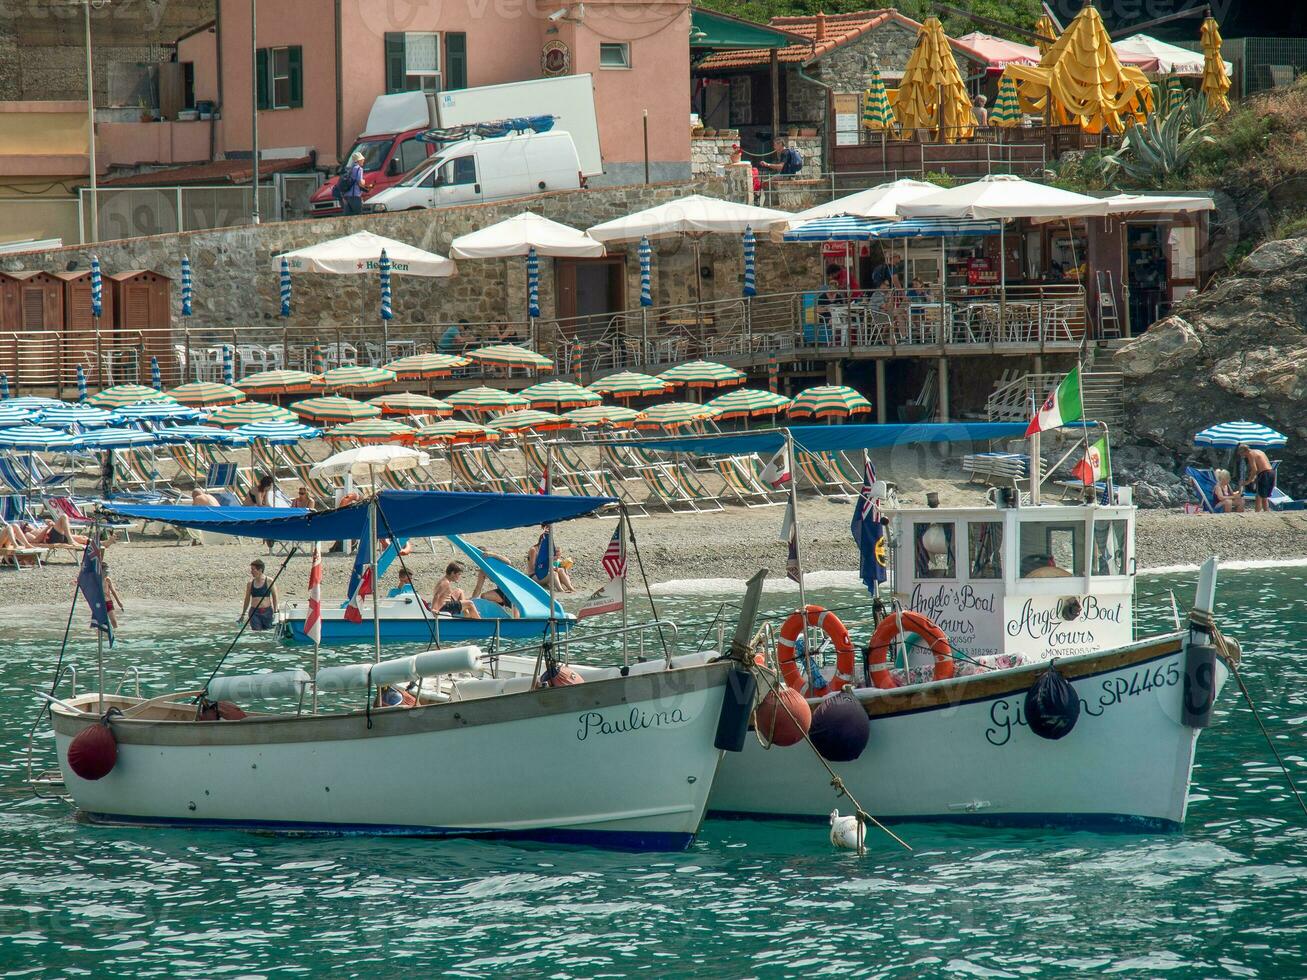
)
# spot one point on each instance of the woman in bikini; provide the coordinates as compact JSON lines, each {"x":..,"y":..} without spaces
{"x":260,"y":599}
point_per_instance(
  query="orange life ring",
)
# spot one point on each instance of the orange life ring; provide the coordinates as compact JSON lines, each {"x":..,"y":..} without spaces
{"x":786,"y":654}
{"x":907,"y":622}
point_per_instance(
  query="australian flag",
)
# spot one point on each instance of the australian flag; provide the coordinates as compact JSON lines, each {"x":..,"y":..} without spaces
{"x":869,"y":533}
{"x":90,"y":581}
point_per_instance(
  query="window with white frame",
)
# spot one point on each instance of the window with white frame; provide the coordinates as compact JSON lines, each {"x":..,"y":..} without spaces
{"x":615,"y":55}
{"x":281,"y":78}
{"x":422,"y":61}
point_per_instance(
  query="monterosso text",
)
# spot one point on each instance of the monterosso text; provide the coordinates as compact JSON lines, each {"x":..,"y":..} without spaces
{"x":596,"y":723}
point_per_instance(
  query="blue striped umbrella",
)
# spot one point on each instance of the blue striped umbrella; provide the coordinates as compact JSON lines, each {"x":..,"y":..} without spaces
{"x":33,"y":401}
{"x":646,"y":273}
{"x":750,"y":258}
{"x":97,"y":288}
{"x":228,"y":370}
{"x":1230,"y":434}
{"x":4,"y":385}
{"x":200,"y":433}
{"x":384,"y":266}
{"x":278,"y":432}
{"x":155,"y":412}
{"x":532,"y":283}
{"x":81,"y":383}
{"x":156,"y":377}
{"x":10,"y":417}
{"x":85,"y":416}
{"x":188,"y":289}
{"x":285,"y":288}
{"x":115,"y":439}
{"x":36,"y":438}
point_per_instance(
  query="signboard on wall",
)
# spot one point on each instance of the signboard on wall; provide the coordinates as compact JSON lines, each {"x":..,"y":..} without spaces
{"x":847,"y":118}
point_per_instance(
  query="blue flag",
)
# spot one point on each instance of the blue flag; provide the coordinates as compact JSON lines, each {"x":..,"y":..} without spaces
{"x":90,"y":581}
{"x":363,"y":558}
{"x":869,"y":533}
{"x":544,"y":557}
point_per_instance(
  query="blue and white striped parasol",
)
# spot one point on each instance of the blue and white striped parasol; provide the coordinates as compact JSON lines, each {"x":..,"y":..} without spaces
{"x":10,"y":417}
{"x":532,"y":283}
{"x":156,"y":377}
{"x":750,"y":258}
{"x":278,"y":432}
{"x":285,"y":288}
{"x":228,"y":369}
{"x":97,"y":288}
{"x":200,"y":433}
{"x":1226,"y":435}
{"x":85,"y":416}
{"x":646,"y":273}
{"x":81,"y":383}
{"x":4,"y":385}
{"x":188,"y":288}
{"x":115,"y":439}
{"x":36,"y":438}
{"x":33,"y":401}
{"x":383,"y":266}
{"x":155,"y":412}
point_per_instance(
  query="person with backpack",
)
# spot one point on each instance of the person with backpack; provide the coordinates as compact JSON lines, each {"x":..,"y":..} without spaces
{"x":350,"y":185}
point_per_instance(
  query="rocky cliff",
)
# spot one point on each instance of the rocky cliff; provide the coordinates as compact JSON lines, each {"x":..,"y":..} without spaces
{"x":1235,"y":351}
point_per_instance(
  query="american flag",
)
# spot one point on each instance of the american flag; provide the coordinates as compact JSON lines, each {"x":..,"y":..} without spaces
{"x":313,"y":621}
{"x":614,"y":559}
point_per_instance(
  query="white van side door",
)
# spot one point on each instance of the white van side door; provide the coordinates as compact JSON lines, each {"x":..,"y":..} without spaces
{"x":459,"y":181}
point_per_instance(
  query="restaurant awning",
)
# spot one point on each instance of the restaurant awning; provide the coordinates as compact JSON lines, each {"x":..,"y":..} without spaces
{"x":849,"y":229}
{"x":717,"y":31}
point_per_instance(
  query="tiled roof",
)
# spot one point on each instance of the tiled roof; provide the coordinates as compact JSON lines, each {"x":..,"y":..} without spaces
{"x":217,"y":172}
{"x":827,"y":32}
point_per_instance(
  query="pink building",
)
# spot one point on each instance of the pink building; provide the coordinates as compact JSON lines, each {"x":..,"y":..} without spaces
{"x":321,"y":63}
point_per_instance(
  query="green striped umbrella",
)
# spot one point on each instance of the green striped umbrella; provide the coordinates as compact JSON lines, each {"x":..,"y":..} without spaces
{"x":616,"y":415}
{"x":411,"y":403}
{"x":207,"y":394}
{"x":510,"y":355}
{"x":834,"y":401}
{"x":1175,"y":91}
{"x":120,"y":396}
{"x":456,"y":431}
{"x":276,"y":382}
{"x":672,"y":415}
{"x":748,"y":403}
{"x":559,"y":395}
{"x":877,"y":113}
{"x":630,"y":384}
{"x":483,"y":400}
{"x":1007,"y":107}
{"x":702,"y":374}
{"x":529,"y":418}
{"x":423,"y":366}
{"x":372,"y":430}
{"x":334,"y":408}
{"x":248,"y":412}
{"x":356,"y":376}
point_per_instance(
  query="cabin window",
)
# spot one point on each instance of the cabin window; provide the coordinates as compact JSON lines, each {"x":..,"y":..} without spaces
{"x":985,"y":549}
{"x":934,"y":550}
{"x":1110,"y":547}
{"x":1052,"y":549}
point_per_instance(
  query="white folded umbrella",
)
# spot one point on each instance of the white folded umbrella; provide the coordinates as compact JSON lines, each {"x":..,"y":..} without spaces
{"x":521,"y":233}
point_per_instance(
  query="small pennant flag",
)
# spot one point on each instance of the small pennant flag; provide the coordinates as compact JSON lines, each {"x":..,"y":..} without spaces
{"x":1096,"y":465}
{"x":313,"y":621}
{"x":790,"y":535}
{"x":776,"y":473}
{"x":608,"y":599}
{"x":354,"y":611}
{"x":1060,"y":407}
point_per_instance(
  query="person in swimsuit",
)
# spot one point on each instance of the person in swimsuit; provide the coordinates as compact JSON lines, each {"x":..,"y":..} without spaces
{"x":112,"y":600}
{"x":1261,"y":475}
{"x":486,"y":589}
{"x":260,"y":599}
{"x":202,"y":498}
{"x":57,"y":531}
{"x":449,"y":598}
{"x":405,"y":586}
{"x":1227,"y":497}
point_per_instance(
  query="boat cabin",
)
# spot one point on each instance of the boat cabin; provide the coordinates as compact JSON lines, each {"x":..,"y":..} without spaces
{"x":1031,"y":581}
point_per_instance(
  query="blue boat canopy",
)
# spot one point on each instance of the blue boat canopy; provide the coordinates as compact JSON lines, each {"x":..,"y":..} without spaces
{"x":403,"y":514}
{"x":834,"y":438}
{"x":847,"y":228}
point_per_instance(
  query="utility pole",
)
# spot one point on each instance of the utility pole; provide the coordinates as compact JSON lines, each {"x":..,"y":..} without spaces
{"x":90,"y":126}
{"x":254,"y":105}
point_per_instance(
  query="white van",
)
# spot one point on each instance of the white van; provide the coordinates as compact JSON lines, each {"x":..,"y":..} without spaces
{"x":486,"y":170}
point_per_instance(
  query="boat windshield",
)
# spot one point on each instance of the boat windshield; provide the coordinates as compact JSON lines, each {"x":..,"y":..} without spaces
{"x":1110,"y":547}
{"x":1052,"y":549}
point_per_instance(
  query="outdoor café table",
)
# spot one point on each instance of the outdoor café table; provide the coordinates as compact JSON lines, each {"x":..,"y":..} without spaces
{"x":396,"y":349}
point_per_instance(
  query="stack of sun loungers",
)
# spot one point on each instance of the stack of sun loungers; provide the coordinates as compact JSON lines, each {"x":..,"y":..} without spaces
{"x":997,"y":468}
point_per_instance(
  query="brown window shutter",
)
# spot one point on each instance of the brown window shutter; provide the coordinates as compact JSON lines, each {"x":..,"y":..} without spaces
{"x":137,"y":312}
{"x":33,"y":308}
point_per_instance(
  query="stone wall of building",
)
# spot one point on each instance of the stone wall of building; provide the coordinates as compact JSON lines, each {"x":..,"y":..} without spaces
{"x":710,"y":155}
{"x":236,"y":284}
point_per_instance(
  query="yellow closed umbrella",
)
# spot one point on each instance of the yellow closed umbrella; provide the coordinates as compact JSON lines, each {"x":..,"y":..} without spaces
{"x":1047,"y":33}
{"x":1216,"y":83}
{"x":932,"y":88}
{"x":1081,"y":81}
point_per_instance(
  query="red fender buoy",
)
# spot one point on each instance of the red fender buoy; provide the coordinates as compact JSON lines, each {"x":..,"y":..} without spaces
{"x":782,"y":720}
{"x":93,"y":752}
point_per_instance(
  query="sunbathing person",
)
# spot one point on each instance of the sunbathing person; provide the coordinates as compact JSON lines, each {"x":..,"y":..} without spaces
{"x":55,"y":532}
{"x":202,"y":498}
{"x":1227,"y":497}
{"x":449,"y":598}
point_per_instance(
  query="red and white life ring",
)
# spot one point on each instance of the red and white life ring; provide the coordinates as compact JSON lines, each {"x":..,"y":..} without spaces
{"x":845,"y":659}
{"x":897,"y":624}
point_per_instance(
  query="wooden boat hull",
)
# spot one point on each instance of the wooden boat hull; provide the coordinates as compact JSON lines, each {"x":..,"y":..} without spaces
{"x":626,"y":763}
{"x":960,"y":750}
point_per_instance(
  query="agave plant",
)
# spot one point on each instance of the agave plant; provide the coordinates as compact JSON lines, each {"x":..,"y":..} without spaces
{"x":1162,"y":146}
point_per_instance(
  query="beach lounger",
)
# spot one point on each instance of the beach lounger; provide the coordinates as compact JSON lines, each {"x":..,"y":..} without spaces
{"x":1203,"y":482}
{"x":495,"y":464}
{"x":76,"y":518}
{"x":817,"y":472}
{"x":18,"y":474}
{"x":739,"y":481}
{"x":996,"y":469}
{"x":22,"y":558}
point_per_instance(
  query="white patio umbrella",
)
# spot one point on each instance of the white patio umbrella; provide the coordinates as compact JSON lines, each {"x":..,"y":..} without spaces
{"x":363,"y":461}
{"x":1156,"y":57}
{"x":360,"y":253}
{"x":1157,"y":204}
{"x":879,"y":203}
{"x":693,"y":217}
{"x":520,"y":234}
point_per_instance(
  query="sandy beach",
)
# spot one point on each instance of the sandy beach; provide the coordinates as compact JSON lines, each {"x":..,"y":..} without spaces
{"x":731,"y":544}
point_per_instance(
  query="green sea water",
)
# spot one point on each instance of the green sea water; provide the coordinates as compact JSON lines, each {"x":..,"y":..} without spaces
{"x":1226,"y":898}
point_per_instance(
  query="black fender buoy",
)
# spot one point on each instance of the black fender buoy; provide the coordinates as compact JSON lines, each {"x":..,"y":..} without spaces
{"x":737,"y":706}
{"x":93,"y":752}
{"x":1052,"y":705}
{"x":840,"y":728}
{"x":1199,"y":685}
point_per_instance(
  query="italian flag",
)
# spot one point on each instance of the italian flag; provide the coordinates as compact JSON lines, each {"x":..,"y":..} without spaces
{"x":1060,"y":407}
{"x":1096,"y":465}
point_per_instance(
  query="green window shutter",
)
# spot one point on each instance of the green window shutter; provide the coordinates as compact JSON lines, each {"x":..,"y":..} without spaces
{"x":395,"y":67}
{"x":455,"y":60}
{"x":264,"y":80}
{"x":295,"y":58}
